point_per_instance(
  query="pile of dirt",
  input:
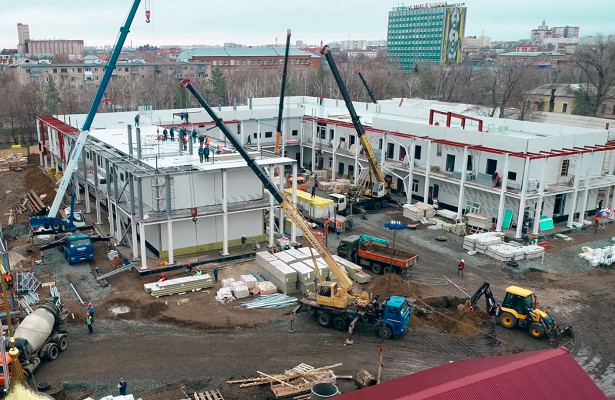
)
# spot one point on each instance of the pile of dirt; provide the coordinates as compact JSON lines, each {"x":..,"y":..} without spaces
{"x":392,"y":285}
{"x":540,"y":276}
{"x":152,"y":310}
{"x":450,"y":314}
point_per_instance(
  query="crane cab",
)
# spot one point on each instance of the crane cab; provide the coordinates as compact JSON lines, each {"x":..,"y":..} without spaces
{"x":329,"y":294}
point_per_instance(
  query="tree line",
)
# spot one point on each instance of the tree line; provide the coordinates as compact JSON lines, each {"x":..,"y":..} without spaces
{"x":500,"y":89}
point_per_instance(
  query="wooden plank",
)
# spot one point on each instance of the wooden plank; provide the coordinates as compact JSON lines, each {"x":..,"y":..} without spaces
{"x":209,"y":397}
{"x":196,"y":396}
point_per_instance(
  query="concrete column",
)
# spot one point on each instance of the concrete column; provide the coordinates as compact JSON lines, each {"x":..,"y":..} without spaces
{"x":301,"y":147}
{"x":40,"y":143}
{"x":462,"y":182}
{"x":427,"y":172}
{"x":116,"y":195}
{"x":170,"y":244}
{"x":502,"y":205}
{"x":313,"y":146}
{"x":356,"y":162}
{"x":96,"y":189}
{"x":86,"y":187}
{"x":242,"y":132}
{"x":138,"y":138}
{"x":52,"y":145}
{"x":611,"y":162}
{"x":293,"y":229}
{"x":76,"y":188}
{"x":129,"y":129}
{"x":382,"y":150}
{"x":541,"y":195}
{"x":333,"y":151}
{"x":589,"y":157}
{"x":118,"y":221}
{"x":258,"y":135}
{"x":140,"y":197}
{"x":575,"y":193}
{"x":190,"y":145}
{"x":109,"y":203}
{"x":225,"y":213}
{"x":142,"y":243}
{"x":271,"y":212}
{"x":133,"y":209}
{"x":523,"y":199}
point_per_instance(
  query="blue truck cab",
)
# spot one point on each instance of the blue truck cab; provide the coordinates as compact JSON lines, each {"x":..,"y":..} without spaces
{"x":78,"y":248}
{"x":395,"y":317}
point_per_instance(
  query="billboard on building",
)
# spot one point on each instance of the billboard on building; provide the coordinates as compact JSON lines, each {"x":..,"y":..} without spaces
{"x":454,"y":27}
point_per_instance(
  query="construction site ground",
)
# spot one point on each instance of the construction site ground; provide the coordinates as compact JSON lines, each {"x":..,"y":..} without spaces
{"x":158,"y":344}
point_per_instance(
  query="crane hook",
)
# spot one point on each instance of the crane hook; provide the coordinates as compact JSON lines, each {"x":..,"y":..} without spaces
{"x":147,"y":12}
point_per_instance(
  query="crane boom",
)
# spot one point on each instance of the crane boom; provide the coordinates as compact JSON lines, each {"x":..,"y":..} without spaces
{"x":278,"y":135}
{"x":369,"y":151}
{"x":369,"y":91}
{"x":76,"y":153}
{"x":289,"y":208}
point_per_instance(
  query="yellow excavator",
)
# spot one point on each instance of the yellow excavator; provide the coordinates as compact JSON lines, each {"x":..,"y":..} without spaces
{"x":520,"y":309}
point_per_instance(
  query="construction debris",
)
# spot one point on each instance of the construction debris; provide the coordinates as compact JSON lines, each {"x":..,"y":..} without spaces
{"x":298,"y":380}
{"x":270,"y":301}
{"x":179,"y":285}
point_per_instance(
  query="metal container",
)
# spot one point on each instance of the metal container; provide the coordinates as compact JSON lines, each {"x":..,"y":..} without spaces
{"x":324,"y":391}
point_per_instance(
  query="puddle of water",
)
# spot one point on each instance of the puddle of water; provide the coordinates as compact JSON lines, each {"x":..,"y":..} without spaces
{"x":120,"y":310}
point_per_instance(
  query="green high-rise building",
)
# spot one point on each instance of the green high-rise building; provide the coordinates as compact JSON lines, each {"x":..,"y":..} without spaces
{"x":426,"y":33}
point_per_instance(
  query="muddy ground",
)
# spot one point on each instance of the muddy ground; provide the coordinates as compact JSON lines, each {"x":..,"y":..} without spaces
{"x":191,"y":339}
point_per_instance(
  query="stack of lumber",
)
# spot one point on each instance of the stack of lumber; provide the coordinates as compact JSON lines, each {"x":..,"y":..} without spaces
{"x":179,"y":285}
{"x":4,"y":165}
{"x":267,"y":287}
{"x":281,"y":275}
{"x":429,"y":210}
{"x":481,"y":221}
{"x":455,"y":229}
{"x":322,"y":175}
{"x":354,"y":271}
{"x":298,"y":380}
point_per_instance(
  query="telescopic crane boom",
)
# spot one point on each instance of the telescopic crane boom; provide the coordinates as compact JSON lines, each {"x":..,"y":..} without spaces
{"x":369,"y":151}
{"x":328,"y":293}
{"x":51,"y":219}
{"x":278,"y":135}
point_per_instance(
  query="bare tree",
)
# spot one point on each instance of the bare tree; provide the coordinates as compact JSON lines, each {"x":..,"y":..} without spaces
{"x":597,"y":63}
{"x":502,"y":84}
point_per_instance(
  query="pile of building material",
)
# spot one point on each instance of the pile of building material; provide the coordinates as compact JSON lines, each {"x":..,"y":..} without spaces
{"x":179,"y":285}
{"x":306,"y":277}
{"x":266,"y":287}
{"x":317,"y":207}
{"x":595,"y":257}
{"x":480,"y":221}
{"x":354,"y":271}
{"x":281,"y":275}
{"x":492,"y":244}
{"x":298,"y":380}
{"x":225,"y":295}
{"x":270,"y":301}
{"x":248,"y":280}
{"x":458,"y":229}
{"x":413,"y":213}
{"x":226,"y":282}
{"x":240,"y":290}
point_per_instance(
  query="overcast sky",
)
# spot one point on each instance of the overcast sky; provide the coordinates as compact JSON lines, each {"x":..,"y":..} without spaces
{"x":186,"y":22}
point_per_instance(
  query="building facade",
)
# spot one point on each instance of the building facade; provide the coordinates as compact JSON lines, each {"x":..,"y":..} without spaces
{"x":74,"y":49}
{"x":537,"y":58}
{"x":429,"y":33}
{"x":230,"y":58}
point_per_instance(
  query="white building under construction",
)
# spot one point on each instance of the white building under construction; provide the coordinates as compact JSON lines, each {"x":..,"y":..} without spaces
{"x":170,"y":203}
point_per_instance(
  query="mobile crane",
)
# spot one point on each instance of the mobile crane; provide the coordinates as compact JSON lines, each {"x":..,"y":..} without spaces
{"x":369,"y":91}
{"x":51,"y":220}
{"x":377,"y":193}
{"x":334,"y":302}
{"x":519,"y":309}
{"x":278,"y":135}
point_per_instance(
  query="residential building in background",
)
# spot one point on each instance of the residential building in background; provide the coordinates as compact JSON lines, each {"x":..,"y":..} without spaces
{"x":426,"y":33}
{"x":543,"y":32}
{"x":74,"y":49}
{"x":232,"y":57}
{"x":560,"y":98}
{"x":472,"y":44}
{"x":347,"y":45}
{"x":543,"y":59}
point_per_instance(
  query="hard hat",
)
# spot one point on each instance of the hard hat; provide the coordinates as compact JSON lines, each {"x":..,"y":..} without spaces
{"x":198,"y":268}
{"x":87,"y":314}
{"x":89,"y":304}
{"x":462,"y":260}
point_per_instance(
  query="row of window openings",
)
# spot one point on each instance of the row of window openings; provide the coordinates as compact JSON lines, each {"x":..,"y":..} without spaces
{"x":259,"y":62}
{"x":269,"y":134}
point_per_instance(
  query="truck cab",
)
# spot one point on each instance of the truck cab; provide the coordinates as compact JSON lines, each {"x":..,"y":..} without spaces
{"x":78,"y":219}
{"x":78,"y":248}
{"x":339,"y":202}
{"x":395,"y":317}
{"x":348,"y":247}
{"x":301,"y":183}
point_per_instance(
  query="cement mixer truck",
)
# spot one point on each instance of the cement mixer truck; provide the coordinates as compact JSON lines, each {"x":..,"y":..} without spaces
{"x":41,"y":335}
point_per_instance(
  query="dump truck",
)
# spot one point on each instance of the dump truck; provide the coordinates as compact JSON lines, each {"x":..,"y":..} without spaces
{"x":41,"y":335}
{"x":377,"y":253}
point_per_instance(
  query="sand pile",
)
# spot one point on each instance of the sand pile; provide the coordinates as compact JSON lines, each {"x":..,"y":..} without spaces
{"x":392,"y":285}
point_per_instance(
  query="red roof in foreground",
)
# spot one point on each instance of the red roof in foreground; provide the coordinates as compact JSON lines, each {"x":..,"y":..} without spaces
{"x":58,"y":125}
{"x":544,"y":374}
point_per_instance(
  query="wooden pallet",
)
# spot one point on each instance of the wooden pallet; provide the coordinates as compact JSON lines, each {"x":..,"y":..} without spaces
{"x":208,"y":395}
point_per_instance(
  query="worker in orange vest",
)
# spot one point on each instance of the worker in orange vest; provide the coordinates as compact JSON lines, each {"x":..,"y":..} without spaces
{"x":338,"y":228}
{"x":327,"y":222}
{"x":163,"y":277}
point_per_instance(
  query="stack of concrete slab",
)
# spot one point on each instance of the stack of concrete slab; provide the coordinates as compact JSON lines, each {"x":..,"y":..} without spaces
{"x":481,"y":221}
{"x":263,"y":258}
{"x":281,"y":275}
{"x":533,"y":251}
{"x":298,"y":255}
{"x":480,"y":241}
{"x":179,"y":285}
{"x":354,"y":271}
{"x":305,"y":277}
{"x":309,"y":251}
{"x":503,"y":251}
{"x":428,"y":210}
{"x":412,"y":212}
{"x":240,"y":290}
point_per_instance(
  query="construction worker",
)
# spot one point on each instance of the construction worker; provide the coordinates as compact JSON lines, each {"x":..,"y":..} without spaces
{"x":163,"y":277}
{"x":91,"y":310}
{"x":185,"y":142}
{"x":189,"y":269}
{"x":201,"y":152}
{"x":89,"y":321}
{"x":122,"y":385}
{"x":327,"y":222}
{"x":207,"y":141}
{"x":198,"y":271}
{"x":314,"y":190}
{"x":194,"y":135}
{"x":526,"y":239}
{"x":137,"y":119}
{"x":9,"y":280}
{"x":201,"y":139}
{"x":338,"y":228}
{"x":165,"y":133}
{"x":350,"y":224}
{"x":206,"y":153}
{"x":215,"y":273}
{"x":243,"y":241}
{"x":460,"y":267}
{"x":536,"y":240}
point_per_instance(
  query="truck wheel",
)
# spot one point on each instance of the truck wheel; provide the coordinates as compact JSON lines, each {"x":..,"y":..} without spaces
{"x":537,"y":331}
{"x":339,"y":323}
{"x":53,"y":351}
{"x":385,"y":203}
{"x":56,"y":227}
{"x":353,"y":258}
{"x":385,"y":332}
{"x":63,"y":343}
{"x":387,"y":269}
{"x":507,"y":320}
{"x":376,"y":268}
{"x":324,"y":319}
{"x":376,"y":205}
